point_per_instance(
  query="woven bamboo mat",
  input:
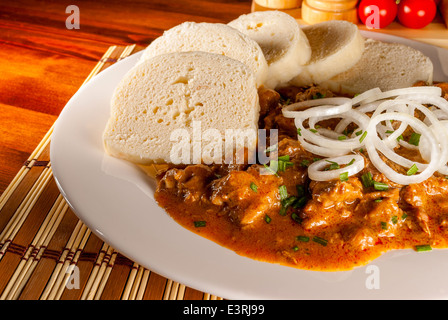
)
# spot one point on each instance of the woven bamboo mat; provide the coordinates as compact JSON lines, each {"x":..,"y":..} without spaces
{"x":47,"y":253}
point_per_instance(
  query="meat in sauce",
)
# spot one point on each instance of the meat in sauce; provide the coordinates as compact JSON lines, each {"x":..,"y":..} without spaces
{"x":288,"y":219}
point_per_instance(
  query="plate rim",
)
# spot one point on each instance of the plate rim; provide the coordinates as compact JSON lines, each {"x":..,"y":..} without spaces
{"x":205,"y":286}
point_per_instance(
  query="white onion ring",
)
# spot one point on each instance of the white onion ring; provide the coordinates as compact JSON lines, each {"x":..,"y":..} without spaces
{"x":322,"y":151}
{"x":398,"y":105}
{"x":373,"y":142}
{"x":427,"y":90}
{"x":367,"y":95}
{"x":438,"y":101}
{"x":315,"y":169}
{"x":318,"y":107}
{"x":391,"y":106}
{"x":326,"y":142}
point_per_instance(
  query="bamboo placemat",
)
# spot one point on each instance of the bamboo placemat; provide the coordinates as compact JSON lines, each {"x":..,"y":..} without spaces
{"x":47,"y":253}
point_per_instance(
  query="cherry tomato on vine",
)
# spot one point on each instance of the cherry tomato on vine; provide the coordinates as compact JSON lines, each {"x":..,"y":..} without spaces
{"x":416,"y":14}
{"x":377,"y":14}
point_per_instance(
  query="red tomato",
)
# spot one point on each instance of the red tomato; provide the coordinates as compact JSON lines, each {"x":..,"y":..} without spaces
{"x":377,"y":14}
{"x":416,"y":13}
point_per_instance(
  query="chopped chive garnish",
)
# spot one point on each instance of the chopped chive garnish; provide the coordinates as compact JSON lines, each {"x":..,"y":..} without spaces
{"x":363,"y":136}
{"x":351,"y":162}
{"x":283,"y":192}
{"x":295,"y":248}
{"x":199,"y":224}
{"x":423,"y":247}
{"x":281,"y":166}
{"x":367,"y":180}
{"x":400,"y":137}
{"x":380,"y":186}
{"x":412,"y":170}
{"x":305,"y":163}
{"x":383,"y":225}
{"x":282,"y":211}
{"x":299,"y":131}
{"x":300,"y":202}
{"x":415,"y":139}
{"x":378,"y":200}
{"x":296,"y":217}
{"x":320,"y":241}
{"x":284,"y":158}
{"x":288,"y":163}
{"x":394,"y":219}
{"x":267,"y":219}
{"x":358,"y":132}
{"x":319,"y":95}
{"x":303,"y":238}
{"x":333,"y":165}
{"x":342,"y":137}
{"x":254,"y":187}
{"x":404,"y":216}
{"x":289,"y":201}
{"x":313,"y":130}
{"x":317,"y":159}
{"x":343,"y":176}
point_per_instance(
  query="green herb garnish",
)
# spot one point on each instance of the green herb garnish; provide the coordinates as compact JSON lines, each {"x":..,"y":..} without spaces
{"x":320,"y":241}
{"x":380,"y":186}
{"x":199,"y":224}
{"x":296,"y":217}
{"x":423,"y":247}
{"x":303,"y":238}
{"x":415,"y":139}
{"x":283,"y":192}
{"x":267,"y":219}
{"x":367,"y":180}
{"x":343,"y":176}
{"x":412,"y":170}
{"x":363,"y":136}
{"x":333,"y":165}
{"x":254,"y":187}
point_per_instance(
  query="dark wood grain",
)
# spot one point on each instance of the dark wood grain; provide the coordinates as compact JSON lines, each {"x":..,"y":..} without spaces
{"x":42,"y":63}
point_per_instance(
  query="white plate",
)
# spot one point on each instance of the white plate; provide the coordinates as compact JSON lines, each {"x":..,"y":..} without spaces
{"x":115,"y":200}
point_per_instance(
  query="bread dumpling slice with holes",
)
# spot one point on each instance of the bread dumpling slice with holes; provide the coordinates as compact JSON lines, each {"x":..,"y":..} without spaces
{"x":383,"y":65}
{"x":336,"y":46}
{"x":214,"y":38}
{"x":284,"y":44}
{"x":160,"y":102}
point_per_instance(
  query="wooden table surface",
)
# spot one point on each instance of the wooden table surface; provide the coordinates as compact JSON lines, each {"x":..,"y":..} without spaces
{"x":42,"y":63}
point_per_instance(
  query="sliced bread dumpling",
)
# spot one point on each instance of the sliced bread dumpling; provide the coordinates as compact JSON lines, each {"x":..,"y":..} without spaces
{"x":383,"y":65}
{"x":214,"y":38}
{"x":336,"y":46}
{"x":169,"y":105}
{"x":284,"y":44}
